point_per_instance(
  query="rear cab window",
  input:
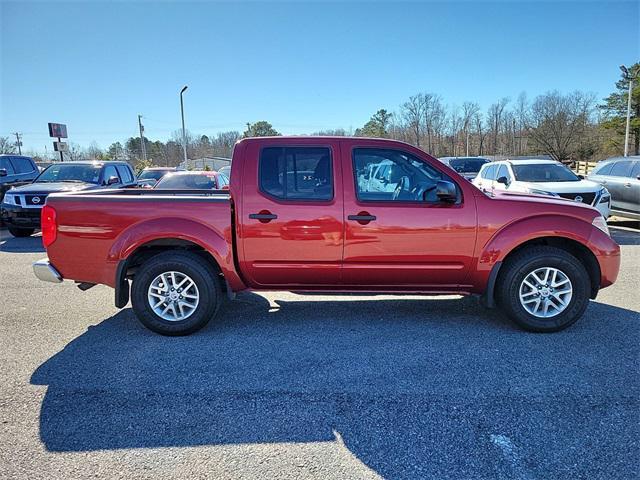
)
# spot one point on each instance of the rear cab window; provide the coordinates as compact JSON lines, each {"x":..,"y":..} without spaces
{"x":23,"y":165}
{"x":125,"y":173}
{"x":296,"y":173}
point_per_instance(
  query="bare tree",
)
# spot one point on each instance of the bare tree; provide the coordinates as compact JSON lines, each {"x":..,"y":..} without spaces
{"x":6,"y":145}
{"x":413,"y":112}
{"x":469,"y":111}
{"x":494,"y":120}
{"x":558,"y":122}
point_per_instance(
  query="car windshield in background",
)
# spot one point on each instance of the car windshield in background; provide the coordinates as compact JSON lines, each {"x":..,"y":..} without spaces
{"x":544,"y":172}
{"x":152,"y":174}
{"x":70,"y":173}
{"x":187,"y":181}
{"x":467,"y":165}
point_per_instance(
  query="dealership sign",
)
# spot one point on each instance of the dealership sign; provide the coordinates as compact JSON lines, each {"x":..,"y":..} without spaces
{"x":57,"y":130}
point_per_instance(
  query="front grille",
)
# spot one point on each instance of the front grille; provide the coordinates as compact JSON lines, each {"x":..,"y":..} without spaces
{"x":587,"y":197}
{"x":35,"y":200}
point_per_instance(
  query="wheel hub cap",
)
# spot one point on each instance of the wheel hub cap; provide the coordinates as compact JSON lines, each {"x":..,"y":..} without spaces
{"x":545,"y":292}
{"x":173,"y":296}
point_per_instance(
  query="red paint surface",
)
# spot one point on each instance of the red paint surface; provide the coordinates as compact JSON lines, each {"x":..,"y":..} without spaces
{"x":410,"y":247}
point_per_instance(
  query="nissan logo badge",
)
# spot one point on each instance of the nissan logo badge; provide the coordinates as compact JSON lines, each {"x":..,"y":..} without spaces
{"x":35,"y":199}
{"x":578,"y":199}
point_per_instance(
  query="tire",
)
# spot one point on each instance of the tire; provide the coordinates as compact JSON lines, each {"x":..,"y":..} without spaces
{"x":21,"y":232}
{"x":184,"y":265}
{"x":565,"y":308}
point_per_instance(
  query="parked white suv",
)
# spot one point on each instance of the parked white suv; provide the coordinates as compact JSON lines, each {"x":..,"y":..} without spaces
{"x":542,"y":177}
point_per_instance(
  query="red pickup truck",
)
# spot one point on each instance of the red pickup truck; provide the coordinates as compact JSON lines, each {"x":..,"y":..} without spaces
{"x":330,"y":214}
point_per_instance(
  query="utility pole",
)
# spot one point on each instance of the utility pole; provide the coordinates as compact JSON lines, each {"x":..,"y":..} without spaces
{"x":18,"y":142}
{"x":184,"y":135}
{"x":143,"y":148}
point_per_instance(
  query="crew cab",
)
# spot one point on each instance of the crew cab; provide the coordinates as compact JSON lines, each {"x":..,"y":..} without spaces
{"x":300,"y":215}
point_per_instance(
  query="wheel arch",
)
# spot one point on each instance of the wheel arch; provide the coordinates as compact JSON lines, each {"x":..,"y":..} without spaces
{"x":570,"y":245}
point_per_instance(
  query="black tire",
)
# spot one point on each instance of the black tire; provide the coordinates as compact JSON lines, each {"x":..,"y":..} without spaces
{"x":514,"y":271}
{"x":21,"y":232}
{"x":205,"y":278}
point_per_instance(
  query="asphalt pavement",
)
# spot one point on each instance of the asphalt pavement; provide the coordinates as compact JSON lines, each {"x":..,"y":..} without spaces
{"x":290,"y":386}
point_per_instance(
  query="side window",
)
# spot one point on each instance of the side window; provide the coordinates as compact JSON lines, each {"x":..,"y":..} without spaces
{"x":604,"y":169}
{"x":125,"y":173}
{"x":635,"y":171}
{"x":296,"y":173}
{"x":222,"y":180}
{"x":503,"y":171}
{"x":109,"y":171}
{"x":621,"y":169}
{"x":6,"y":165}
{"x":490,"y":172}
{"x":22,"y":165}
{"x":403,"y":178}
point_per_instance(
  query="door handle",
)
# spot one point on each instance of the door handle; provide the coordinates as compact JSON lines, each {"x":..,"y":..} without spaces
{"x":265,"y":216}
{"x":362,"y":218}
{"x":628,"y":185}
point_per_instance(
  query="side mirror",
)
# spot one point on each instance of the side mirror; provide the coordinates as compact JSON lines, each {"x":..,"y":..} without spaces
{"x":446,"y":191}
{"x":112,"y":180}
{"x":3,"y":172}
{"x":581,"y":177}
{"x":225,"y":187}
{"x":503,"y":180}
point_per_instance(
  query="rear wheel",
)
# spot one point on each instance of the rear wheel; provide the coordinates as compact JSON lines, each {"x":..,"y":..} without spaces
{"x":21,"y":232}
{"x":175,"y":293}
{"x":543,"y":289}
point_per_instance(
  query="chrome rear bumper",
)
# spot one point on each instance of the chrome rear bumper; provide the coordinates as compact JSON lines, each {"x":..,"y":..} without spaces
{"x":46,"y":272}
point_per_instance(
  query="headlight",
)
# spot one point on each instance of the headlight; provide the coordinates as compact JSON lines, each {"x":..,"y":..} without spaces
{"x":542,"y":192}
{"x":9,"y":199}
{"x":601,"y":224}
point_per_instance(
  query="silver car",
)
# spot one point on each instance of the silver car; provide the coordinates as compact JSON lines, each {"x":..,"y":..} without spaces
{"x":621,"y":176}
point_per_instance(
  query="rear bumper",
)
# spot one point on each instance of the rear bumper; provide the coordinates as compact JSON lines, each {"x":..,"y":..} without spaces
{"x":46,"y":272}
{"x":17,"y":216}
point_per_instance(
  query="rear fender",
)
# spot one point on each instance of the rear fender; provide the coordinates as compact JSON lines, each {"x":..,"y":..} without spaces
{"x":216,"y":243}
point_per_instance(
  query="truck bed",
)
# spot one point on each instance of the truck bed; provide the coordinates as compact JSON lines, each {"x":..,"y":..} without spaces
{"x":99,"y":229}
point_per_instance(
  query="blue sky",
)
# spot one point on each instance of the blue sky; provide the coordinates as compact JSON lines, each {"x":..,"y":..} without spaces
{"x":302,"y":66}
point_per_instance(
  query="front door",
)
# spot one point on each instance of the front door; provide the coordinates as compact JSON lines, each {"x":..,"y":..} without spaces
{"x":291,"y":223}
{"x":404,"y":238}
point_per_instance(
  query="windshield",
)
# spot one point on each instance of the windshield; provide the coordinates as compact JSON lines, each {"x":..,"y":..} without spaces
{"x":187,"y":182}
{"x":544,"y":172}
{"x":467,"y":165}
{"x":70,"y":173}
{"x":152,"y":174}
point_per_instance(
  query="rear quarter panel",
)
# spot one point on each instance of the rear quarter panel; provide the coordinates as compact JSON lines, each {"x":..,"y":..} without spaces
{"x":95,"y":232}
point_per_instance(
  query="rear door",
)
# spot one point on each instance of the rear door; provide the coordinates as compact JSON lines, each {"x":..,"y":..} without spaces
{"x":291,"y":225}
{"x":405,"y":238}
{"x":618,"y":177}
{"x":631,"y":189}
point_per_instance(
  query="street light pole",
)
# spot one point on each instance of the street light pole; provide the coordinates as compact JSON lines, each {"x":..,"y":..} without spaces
{"x":184,"y":133}
{"x":627,"y":75}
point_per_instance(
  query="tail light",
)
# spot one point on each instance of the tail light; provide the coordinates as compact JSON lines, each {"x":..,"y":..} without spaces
{"x":48,"y":225}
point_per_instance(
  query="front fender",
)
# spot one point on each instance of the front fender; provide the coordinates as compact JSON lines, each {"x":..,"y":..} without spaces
{"x":504,"y":240}
{"x":217,"y":243}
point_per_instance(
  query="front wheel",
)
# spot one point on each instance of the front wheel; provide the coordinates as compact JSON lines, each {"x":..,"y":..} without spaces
{"x":21,"y":232}
{"x":543,"y":289}
{"x":175,"y":293}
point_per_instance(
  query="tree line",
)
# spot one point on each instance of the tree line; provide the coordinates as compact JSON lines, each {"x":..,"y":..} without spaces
{"x":567,"y":126}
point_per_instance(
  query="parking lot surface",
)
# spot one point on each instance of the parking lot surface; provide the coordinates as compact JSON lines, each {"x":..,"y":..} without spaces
{"x":289,"y":386}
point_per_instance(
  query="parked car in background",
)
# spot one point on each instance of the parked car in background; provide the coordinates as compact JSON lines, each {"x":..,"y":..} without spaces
{"x":16,"y":170}
{"x":539,"y":259}
{"x":150,"y":176}
{"x":226,"y":171}
{"x":21,"y":206}
{"x":542,"y":177}
{"x":193,"y":180}
{"x":621,"y":176}
{"x":468,"y":167}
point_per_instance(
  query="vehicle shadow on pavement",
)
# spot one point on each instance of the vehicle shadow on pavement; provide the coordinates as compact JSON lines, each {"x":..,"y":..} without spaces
{"x":413,"y":387}
{"x":11,"y":244}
